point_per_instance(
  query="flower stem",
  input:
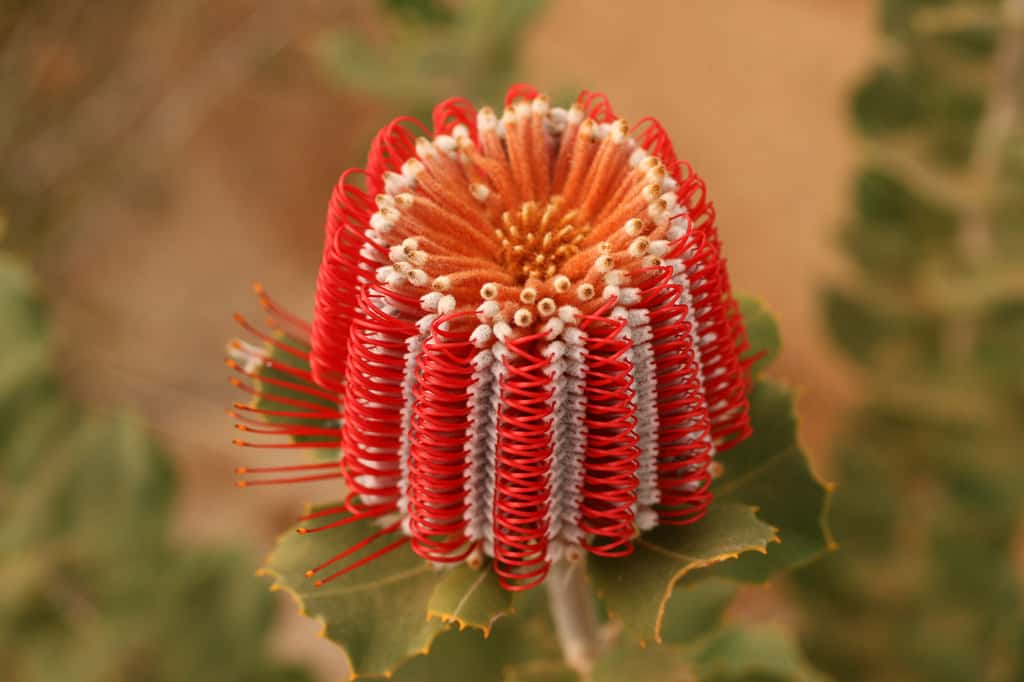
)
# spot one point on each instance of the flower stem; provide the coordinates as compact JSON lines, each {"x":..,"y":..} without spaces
{"x":575,"y":615}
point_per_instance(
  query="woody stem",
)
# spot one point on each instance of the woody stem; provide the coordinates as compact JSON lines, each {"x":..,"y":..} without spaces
{"x":575,"y":615}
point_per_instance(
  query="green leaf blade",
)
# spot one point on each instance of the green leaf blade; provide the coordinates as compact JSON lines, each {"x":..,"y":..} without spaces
{"x":771,"y":472}
{"x":390,"y":611}
{"x":636,"y":589}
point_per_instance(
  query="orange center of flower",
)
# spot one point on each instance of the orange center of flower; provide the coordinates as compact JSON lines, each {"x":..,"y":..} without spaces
{"x":543,"y":211}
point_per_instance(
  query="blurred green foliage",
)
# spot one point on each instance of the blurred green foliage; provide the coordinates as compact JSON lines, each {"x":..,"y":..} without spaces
{"x":927,"y":582}
{"x":430,"y":51}
{"x":91,"y":587}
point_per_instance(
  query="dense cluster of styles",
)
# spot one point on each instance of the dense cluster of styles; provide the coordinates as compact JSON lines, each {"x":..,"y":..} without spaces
{"x":524,"y":346}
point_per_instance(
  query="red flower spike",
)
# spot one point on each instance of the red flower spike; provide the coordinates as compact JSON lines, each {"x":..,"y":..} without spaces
{"x":525,"y":336}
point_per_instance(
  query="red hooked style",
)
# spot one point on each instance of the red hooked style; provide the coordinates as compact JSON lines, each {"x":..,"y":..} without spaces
{"x":524,"y":344}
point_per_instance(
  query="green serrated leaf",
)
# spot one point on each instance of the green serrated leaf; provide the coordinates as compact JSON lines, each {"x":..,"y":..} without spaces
{"x":521,"y":647}
{"x":379,"y":614}
{"x":759,"y":653}
{"x":695,"y":609}
{"x":636,"y":589}
{"x":770,"y":471}
{"x":453,"y":655}
{"x":470,"y":598}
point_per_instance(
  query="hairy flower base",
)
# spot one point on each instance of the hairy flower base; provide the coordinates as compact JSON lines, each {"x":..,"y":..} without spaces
{"x":524,"y":341}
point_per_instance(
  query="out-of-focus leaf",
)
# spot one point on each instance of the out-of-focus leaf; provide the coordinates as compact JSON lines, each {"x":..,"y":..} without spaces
{"x":473,"y":54}
{"x":379,"y":614}
{"x":431,"y":11}
{"x":653,"y":663}
{"x":896,"y":232}
{"x":762,"y":333}
{"x":747,"y":654}
{"x":91,"y":589}
{"x":1000,"y":340}
{"x":540,"y":671}
{"x":886,"y":102}
{"x":929,"y":502}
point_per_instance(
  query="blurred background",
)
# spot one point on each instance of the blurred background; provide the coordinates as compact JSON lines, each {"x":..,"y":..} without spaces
{"x":156,"y":158}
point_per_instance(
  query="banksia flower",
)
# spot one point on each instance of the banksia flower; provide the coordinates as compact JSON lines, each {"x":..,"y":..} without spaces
{"x":524,"y":342}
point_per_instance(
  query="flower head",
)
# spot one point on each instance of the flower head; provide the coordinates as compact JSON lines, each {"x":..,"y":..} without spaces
{"x":524,"y":341}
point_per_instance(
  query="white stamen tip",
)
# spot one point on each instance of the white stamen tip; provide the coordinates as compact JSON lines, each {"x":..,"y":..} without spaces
{"x":424,"y":148}
{"x":446,"y":304}
{"x":568,"y":314}
{"x":441,"y":283}
{"x":502,"y":331}
{"x":489,"y":291}
{"x":639,"y":247}
{"x":418,"y":278}
{"x":384,"y":220}
{"x":629,"y":295}
{"x":397,"y":254}
{"x":446,"y":143}
{"x":561,"y":283}
{"x":586,"y":291}
{"x":651,"y":192}
{"x":425,"y":323}
{"x":528,"y":295}
{"x":488,"y":310}
{"x":429,"y":301}
{"x":523,"y":318}
{"x":649,"y":163}
{"x":615,"y":278}
{"x":395,"y":182}
{"x":619,"y":131}
{"x":412,"y":167}
{"x":482,"y":335}
{"x":546,"y":307}
{"x":659,"y":247}
{"x":486,"y":119}
{"x":480,"y":191}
